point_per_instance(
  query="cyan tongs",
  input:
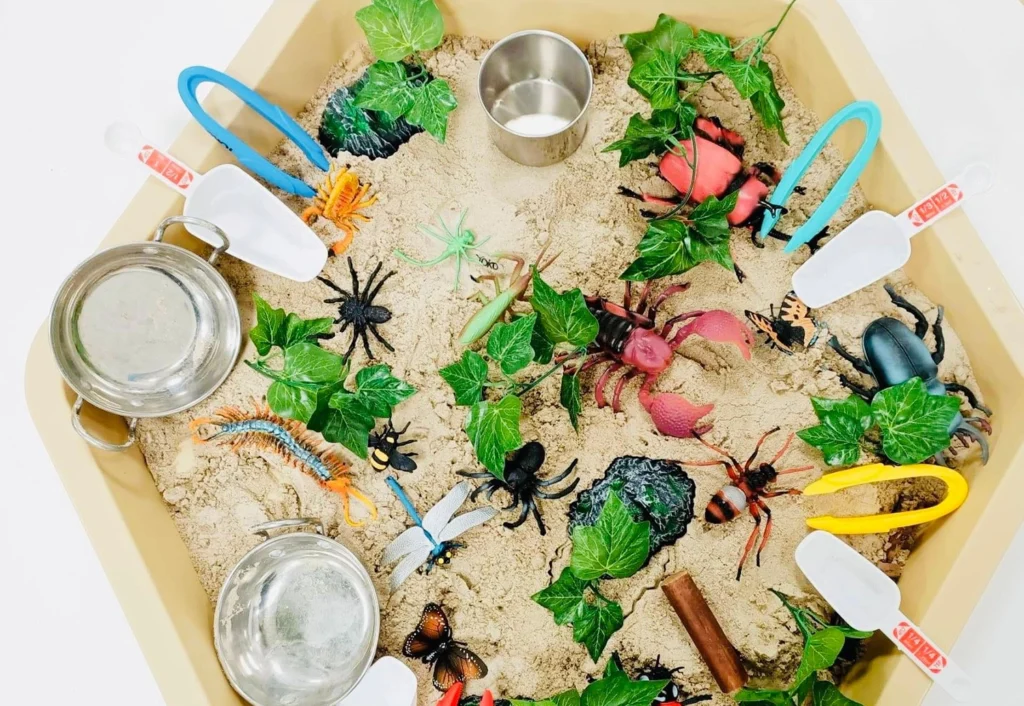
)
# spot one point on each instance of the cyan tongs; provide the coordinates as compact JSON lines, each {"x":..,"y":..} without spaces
{"x":865,"y":111}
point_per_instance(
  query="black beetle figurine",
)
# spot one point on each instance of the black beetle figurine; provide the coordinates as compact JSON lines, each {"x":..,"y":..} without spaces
{"x":894,"y":354}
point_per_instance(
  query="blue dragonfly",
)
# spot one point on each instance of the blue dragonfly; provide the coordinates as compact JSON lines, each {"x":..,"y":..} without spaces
{"x":430,"y":540}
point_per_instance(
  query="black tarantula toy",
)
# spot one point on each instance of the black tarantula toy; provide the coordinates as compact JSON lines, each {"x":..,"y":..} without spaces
{"x":523,"y":484}
{"x":359,"y":311}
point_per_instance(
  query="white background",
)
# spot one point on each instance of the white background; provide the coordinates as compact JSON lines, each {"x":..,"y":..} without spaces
{"x":69,"y":67}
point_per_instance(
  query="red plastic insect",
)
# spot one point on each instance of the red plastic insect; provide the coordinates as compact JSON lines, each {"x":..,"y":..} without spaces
{"x":747,"y":488}
{"x":720,"y":172}
{"x":628,"y":337}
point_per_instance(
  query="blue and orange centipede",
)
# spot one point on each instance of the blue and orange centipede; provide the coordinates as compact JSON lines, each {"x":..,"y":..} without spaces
{"x":289,"y":439}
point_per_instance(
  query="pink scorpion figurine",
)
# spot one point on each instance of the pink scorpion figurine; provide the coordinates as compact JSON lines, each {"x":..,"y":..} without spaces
{"x":628,"y":338}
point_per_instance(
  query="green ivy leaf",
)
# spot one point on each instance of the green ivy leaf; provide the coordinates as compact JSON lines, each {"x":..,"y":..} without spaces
{"x":687,"y":113}
{"x":432,"y":102}
{"x":612,"y":666}
{"x":509,"y":344}
{"x":820,"y":652}
{"x":828,"y":694}
{"x":656,"y":79}
{"x":710,"y":217}
{"x":567,"y":698}
{"x":571,"y":397}
{"x":768,"y":104}
{"x":564,"y":317}
{"x":397,"y":28}
{"x":291,"y":402}
{"x":592,"y":627}
{"x":615,"y":546}
{"x":670,"y":247}
{"x":309,"y":363}
{"x":843,"y":423}
{"x":269,"y":329}
{"x":387,"y":89}
{"x":493,"y":428}
{"x":914,"y":424}
{"x":563,"y":597}
{"x":759,"y":697}
{"x":298,"y":330}
{"x":528,"y":702}
{"x":619,"y":690}
{"x":379,"y":390}
{"x":645,"y":136}
{"x":543,"y":347}
{"x":467,"y":377}
{"x":322,"y":398}
{"x":349,"y":424}
{"x":715,"y":49}
{"x":748,"y":78}
{"x":669,"y":35}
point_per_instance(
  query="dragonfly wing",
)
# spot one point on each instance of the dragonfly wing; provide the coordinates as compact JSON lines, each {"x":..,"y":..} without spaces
{"x":410,"y":540}
{"x":466,"y":521}
{"x":440,"y":514}
{"x":406,"y":567}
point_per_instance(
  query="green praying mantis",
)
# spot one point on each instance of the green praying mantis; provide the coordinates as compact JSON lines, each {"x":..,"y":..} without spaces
{"x":458,"y":243}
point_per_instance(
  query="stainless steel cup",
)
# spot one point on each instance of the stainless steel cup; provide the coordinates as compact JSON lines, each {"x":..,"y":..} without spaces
{"x":535,"y":87}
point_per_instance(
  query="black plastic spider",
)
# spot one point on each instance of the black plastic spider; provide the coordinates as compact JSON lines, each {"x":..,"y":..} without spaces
{"x":522,"y":483}
{"x":360,"y":312}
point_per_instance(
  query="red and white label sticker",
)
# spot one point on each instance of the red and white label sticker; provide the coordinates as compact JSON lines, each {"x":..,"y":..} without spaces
{"x":934,"y":205}
{"x":918,"y":645}
{"x":169,"y":169}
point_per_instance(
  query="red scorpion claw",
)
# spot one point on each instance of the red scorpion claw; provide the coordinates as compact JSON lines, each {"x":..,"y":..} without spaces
{"x":718,"y":326}
{"x":674,"y":415}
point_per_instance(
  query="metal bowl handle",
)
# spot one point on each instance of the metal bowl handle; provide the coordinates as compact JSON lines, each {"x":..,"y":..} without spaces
{"x":76,"y":422}
{"x":264,"y":529}
{"x":199,"y":223}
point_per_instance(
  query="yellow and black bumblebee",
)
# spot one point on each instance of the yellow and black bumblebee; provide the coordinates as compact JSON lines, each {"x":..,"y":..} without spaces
{"x":792,"y":326}
{"x":386,"y":450}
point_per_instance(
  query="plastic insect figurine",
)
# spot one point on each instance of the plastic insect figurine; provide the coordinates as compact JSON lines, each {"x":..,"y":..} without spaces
{"x":289,"y":439}
{"x":522,"y":483}
{"x":458,"y":244}
{"x":747,"y":489}
{"x":339,"y":199}
{"x":386,"y":450}
{"x":433,"y":643}
{"x":630,"y":338}
{"x":672,"y":693}
{"x":359,"y":311}
{"x":495,"y":309}
{"x":720,"y":172}
{"x":429,"y":540}
{"x":894,"y":354}
{"x":792,"y":327}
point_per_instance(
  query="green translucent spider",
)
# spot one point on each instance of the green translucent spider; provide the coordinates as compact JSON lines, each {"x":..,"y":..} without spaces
{"x":458,"y":243}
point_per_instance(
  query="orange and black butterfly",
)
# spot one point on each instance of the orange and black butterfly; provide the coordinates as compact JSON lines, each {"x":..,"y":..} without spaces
{"x":792,"y":326}
{"x":433,"y":643}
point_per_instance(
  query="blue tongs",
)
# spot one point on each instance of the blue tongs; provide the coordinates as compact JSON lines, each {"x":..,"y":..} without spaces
{"x":865,"y":111}
{"x":191,"y":78}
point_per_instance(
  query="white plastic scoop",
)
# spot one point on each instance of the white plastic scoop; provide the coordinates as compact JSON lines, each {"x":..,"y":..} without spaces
{"x":263,"y":231}
{"x":387,"y":683}
{"x":878,"y":243}
{"x":867,"y":599}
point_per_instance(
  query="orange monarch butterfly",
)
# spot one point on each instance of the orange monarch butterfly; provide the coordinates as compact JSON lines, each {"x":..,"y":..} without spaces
{"x":792,"y":326}
{"x":432,"y":642}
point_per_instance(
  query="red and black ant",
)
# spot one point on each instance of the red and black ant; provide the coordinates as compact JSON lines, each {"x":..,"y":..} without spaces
{"x":747,"y":489}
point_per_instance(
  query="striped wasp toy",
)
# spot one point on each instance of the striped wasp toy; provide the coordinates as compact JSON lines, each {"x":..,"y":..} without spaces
{"x":430,"y":540}
{"x":386,"y":450}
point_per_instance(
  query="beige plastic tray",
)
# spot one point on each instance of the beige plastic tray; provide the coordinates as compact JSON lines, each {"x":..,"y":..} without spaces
{"x":287,"y":57}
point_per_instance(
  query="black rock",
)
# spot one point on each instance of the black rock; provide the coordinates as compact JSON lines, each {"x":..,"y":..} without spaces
{"x":657,"y":491}
{"x":368,"y":133}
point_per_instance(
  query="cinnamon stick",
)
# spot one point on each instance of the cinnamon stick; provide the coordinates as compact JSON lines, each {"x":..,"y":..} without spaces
{"x":706,"y":633}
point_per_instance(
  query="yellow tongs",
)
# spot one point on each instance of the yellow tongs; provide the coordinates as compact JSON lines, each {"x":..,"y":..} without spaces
{"x":956,"y":493}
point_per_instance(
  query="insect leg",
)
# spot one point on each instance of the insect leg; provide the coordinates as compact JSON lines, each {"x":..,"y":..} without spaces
{"x":558,"y":494}
{"x":750,"y":542}
{"x":483,"y":487}
{"x":940,"y":339}
{"x":859,"y":365}
{"x":352,"y":345}
{"x":783,"y":491}
{"x":471,"y":474}
{"x":767,"y":529}
{"x":717,"y":450}
{"x":746,"y":466}
{"x":355,"y":279}
{"x":536,"y":516}
{"x":366,"y":344}
{"x":977,"y":436}
{"x":920,"y":322}
{"x":619,"y":387}
{"x":668,"y":292}
{"x":561,"y":476}
{"x":376,"y":334}
{"x":627,"y":299}
{"x":369,"y":283}
{"x":333,"y":286}
{"x":521,"y":519}
{"x":782,"y":451}
{"x":644,"y":294}
{"x":373,"y":294}
{"x":603,"y":381}
{"x":972,"y":399}
{"x":858,"y":390}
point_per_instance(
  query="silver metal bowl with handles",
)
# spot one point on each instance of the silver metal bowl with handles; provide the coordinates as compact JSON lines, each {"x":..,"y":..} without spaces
{"x":297,"y":619}
{"x":145,"y":330}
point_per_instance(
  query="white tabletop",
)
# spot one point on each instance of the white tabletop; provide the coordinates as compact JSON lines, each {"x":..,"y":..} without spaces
{"x":68,"y":68}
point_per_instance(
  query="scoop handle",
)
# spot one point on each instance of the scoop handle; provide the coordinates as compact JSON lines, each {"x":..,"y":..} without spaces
{"x":948,"y":197}
{"x":126,"y":140}
{"x":929,"y":658}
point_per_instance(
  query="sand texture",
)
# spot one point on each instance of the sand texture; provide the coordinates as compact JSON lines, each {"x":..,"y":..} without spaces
{"x":215,"y":494}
